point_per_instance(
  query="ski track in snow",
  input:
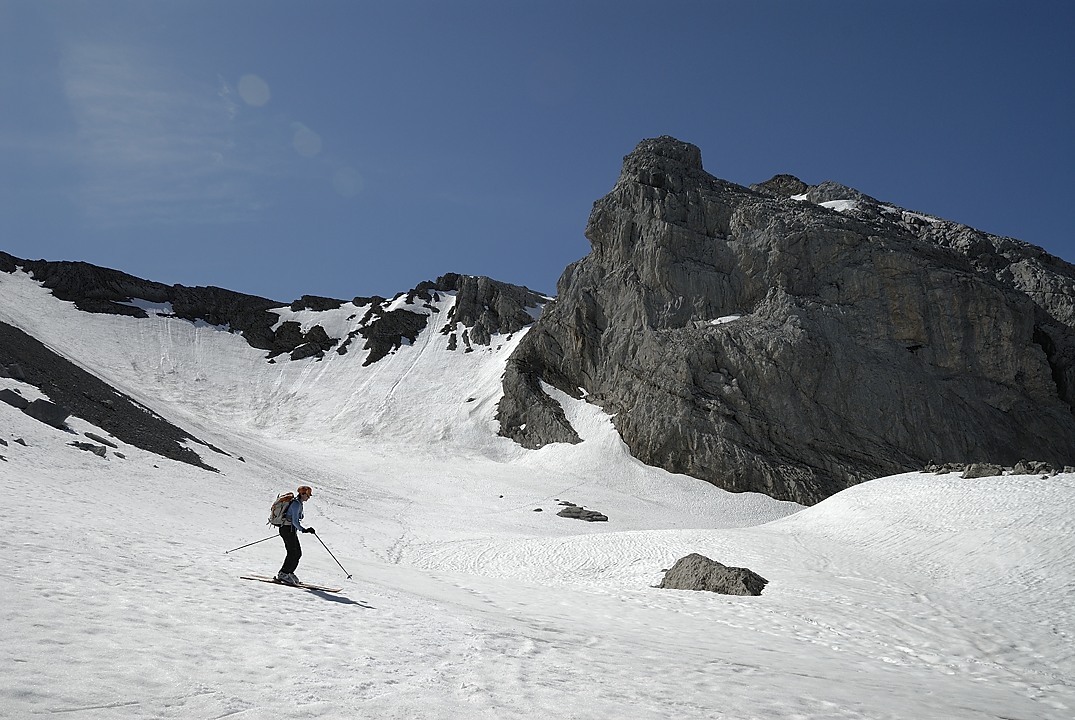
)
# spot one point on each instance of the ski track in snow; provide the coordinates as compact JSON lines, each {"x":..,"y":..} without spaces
{"x":916,"y":596}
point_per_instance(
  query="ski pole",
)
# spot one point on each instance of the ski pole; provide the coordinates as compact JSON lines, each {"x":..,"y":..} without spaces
{"x":249,"y":544}
{"x":333,"y":556}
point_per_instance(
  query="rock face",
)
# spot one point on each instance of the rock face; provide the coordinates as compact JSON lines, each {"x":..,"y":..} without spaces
{"x":697,"y":572}
{"x":795,"y":340}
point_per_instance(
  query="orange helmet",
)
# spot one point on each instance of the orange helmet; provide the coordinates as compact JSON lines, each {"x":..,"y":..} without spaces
{"x":305,"y":490}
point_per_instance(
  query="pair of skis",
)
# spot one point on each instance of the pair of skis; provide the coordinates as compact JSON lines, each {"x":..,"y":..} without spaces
{"x":300,"y":586}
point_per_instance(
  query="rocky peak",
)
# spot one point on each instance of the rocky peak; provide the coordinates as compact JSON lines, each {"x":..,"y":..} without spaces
{"x":660,"y":161}
{"x":797,"y":346}
{"x":783,"y":185}
{"x":665,"y":150}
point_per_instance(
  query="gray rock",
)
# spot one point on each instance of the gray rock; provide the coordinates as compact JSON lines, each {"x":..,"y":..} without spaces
{"x":304,"y":351}
{"x":486,"y":307}
{"x":982,"y":470}
{"x":697,"y":572}
{"x":13,"y":371}
{"x":945,"y":468}
{"x":577,"y":512}
{"x":98,"y":450}
{"x":315,"y":302}
{"x":13,"y":399}
{"x":866,"y":342}
{"x":389,"y":331}
{"x":48,"y":413}
{"x":783,"y":185}
{"x":527,"y":414}
{"x":1033,"y":467}
{"x":97,"y":438}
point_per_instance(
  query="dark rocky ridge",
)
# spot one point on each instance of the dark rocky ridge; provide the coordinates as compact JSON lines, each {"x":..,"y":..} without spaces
{"x":93,"y":400}
{"x":484,"y":307}
{"x":869,"y":341}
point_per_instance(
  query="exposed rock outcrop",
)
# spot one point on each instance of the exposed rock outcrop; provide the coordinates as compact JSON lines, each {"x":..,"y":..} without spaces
{"x":793,"y":339}
{"x":103,"y":290}
{"x":483,"y":308}
{"x":487,"y":307}
{"x":73,"y":390}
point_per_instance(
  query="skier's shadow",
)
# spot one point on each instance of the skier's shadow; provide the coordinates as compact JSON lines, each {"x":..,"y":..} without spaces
{"x":343,"y":600}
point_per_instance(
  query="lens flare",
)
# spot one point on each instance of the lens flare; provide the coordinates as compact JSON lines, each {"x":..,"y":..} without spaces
{"x":305,"y":141}
{"x":253,"y":90}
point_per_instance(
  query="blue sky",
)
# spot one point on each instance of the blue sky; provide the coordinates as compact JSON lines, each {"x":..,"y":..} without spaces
{"x":357,"y":148}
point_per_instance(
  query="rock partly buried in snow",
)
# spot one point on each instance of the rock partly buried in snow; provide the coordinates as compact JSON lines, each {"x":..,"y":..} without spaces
{"x":1034,"y":467}
{"x":97,"y":438}
{"x":978,"y":470}
{"x":13,"y":399}
{"x":982,"y":470}
{"x":795,"y":340}
{"x":48,"y":413}
{"x":577,"y":512}
{"x":697,"y":572}
{"x":98,"y":450}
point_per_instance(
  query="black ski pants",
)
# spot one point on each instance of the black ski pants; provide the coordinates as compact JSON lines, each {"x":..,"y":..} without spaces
{"x":294,"y":550}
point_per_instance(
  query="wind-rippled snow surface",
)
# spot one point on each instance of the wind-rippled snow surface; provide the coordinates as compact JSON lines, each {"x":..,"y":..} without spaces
{"x":915,"y":596}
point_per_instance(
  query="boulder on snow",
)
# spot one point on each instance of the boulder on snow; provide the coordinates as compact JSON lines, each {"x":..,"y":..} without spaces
{"x":577,"y":512}
{"x":1033,"y":467}
{"x":697,"y":572}
{"x":48,"y":413}
{"x":982,"y":470}
{"x":945,"y":468}
{"x":13,"y":398}
{"x":98,"y":450}
{"x":97,"y":438}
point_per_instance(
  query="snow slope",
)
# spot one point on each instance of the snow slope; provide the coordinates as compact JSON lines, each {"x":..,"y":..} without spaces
{"x":916,"y":596}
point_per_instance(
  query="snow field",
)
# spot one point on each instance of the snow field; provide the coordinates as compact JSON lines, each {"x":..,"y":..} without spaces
{"x":916,"y":596}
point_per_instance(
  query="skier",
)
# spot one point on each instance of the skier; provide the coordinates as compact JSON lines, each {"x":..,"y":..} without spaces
{"x":289,"y":532}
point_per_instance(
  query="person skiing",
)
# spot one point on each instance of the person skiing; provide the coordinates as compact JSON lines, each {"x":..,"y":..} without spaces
{"x":289,"y":531}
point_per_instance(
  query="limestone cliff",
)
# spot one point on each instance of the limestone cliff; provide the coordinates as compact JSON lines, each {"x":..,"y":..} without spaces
{"x":793,"y":339}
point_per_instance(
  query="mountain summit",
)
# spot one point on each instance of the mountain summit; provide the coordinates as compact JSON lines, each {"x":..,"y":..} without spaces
{"x":795,"y":340}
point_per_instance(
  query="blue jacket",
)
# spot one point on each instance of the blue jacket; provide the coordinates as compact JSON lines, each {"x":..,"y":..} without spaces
{"x":294,"y":515}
